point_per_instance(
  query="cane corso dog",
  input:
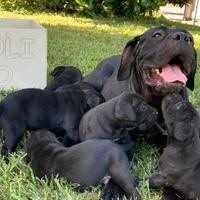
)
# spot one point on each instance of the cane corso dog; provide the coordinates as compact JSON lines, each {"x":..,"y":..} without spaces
{"x":160,"y":61}
{"x":96,"y":100}
{"x":64,"y":76}
{"x":32,"y":108}
{"x":114,"y":117}
{"x":179,"y":165}
{"x":86,"y":163}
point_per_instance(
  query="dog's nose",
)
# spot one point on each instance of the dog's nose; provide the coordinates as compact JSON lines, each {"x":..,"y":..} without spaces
{"x":180,"y":36}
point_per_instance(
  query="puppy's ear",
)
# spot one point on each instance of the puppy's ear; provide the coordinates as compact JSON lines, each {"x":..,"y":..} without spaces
{"x":124,"y":111}
{"x":182,"y":131}
{"x":190,"y":81}
{"x":128,"y":59}
{"x":57,"y":71}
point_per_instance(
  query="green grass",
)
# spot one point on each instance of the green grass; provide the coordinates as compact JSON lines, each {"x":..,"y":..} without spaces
{"x":84,"y":42}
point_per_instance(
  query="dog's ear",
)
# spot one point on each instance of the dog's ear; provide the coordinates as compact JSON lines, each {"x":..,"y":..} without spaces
{"x":182,"y":131}
{"x":190,"y":81}
{"x":57,"y":71}
{"x":124,"y":111}
{"x":128,"y":59}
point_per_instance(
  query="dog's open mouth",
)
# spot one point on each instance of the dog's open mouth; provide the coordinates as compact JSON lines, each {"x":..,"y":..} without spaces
{"x":170,"y":75}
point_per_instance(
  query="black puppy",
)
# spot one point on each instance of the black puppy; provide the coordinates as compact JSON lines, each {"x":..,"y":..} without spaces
{"x":64,"y":76}
{"x":35,"y":109}
{"x":179,"y":164}
{"x":79,"y":86}
{"x":86,"y":163}
{"x":112,"y":118}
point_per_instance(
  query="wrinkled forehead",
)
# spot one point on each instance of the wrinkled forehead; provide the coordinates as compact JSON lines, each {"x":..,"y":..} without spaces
{"x":164,"y":29}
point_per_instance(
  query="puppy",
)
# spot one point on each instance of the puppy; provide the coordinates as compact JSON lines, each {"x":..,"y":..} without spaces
{"x":31,"y":109}
{"x":179,"y":164}
{"x":114,"y":117}
{"x":96,"y":100}
{"x":86,"y":163}
{"x":64,"y":76}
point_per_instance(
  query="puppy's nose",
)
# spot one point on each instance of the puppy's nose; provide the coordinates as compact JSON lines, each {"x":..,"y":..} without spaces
{"x":180,"y":36}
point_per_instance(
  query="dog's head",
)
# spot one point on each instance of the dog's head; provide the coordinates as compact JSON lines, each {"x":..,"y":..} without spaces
{"x":39,"y":138}
{"x":133,"y":112}
{"x":181,"y":118}
{"x":162,"y":61}
{"x":69,"y":72}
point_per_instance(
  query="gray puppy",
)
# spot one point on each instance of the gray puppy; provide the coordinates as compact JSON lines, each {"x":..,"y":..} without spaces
{"x":112,"y":118}
{"x":179,"y":164}
{"x":86,"y":163}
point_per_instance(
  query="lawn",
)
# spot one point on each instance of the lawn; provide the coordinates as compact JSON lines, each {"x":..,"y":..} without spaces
{"x":84,"y":42}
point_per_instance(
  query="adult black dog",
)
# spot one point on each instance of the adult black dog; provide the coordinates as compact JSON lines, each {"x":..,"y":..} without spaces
{"x":34,"y":109}
{"x":64,"y":76}
{"x":86,"y":163}
{"x":179,"y":164}
{"x":160,"y":61}
{"x":112,"y":118}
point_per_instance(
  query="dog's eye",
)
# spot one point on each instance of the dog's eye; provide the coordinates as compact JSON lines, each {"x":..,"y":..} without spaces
{"x":157,"y":34}
{"x":143,"y":107}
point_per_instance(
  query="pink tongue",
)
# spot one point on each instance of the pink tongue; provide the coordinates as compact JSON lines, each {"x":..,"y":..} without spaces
{"x":172,"y":73}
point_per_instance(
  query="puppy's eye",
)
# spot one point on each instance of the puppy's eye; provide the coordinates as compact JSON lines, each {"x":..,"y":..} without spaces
{"x":157,"y":34}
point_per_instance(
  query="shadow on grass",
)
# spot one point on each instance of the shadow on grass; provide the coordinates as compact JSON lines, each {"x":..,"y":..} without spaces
{"x":149,"y":22}
{"x":85,"y":46}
